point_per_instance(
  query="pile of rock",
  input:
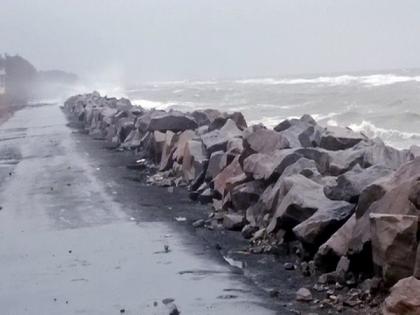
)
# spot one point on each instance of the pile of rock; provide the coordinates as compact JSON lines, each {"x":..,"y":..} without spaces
{"x":338,"y":193}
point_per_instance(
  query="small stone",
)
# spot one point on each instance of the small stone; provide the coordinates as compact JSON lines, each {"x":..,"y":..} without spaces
{"x":332,"y":297}
{"x":303,"y":295}
{"x":259,"y":234}
{"x":328,"y":278}
{"x":274,"y":293}
{"x":319,"y":287}
{"x":343,"y":267}
{"x":289,"y":266}
{"x":304,"y":268}
{"x":233,"y":221}
{"x":166,"y":248}
{"x":155,"y":303}
{"x":248,"y":230}
{"x":167,"y":301}
{"x":70,"y":251}
{"x":256,"y":249}
{"x":371,"y":285}
{"x":122,"y":311}
{"x":199,"y":223}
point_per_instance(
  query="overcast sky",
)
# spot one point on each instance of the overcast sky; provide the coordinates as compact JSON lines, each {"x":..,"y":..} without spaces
{"x":204,"y":39}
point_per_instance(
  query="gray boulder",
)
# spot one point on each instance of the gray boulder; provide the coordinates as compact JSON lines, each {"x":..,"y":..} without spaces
{"x":173,"y":121}
{"x":394,"y":245}
{"x":194,"y":160}
{"x":246,"y":194}
{"x":265,"y":141}
{"x":349,"y":185}
{"x":338,"y":138}
{"x":234,"y":221}
{"x":217,"y":139}
{"x":303,"y":132}
{"x":216,"y":164}
{"x":304,"y":199}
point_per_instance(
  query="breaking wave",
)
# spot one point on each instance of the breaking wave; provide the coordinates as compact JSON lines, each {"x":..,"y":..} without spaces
{"x":152,"y":104}
{"x":183,"y":106}
{"x":367,"y":80}
{"x":392,"y":135}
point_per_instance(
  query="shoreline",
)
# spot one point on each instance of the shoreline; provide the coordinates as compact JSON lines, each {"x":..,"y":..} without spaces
{"x":296,"y":189}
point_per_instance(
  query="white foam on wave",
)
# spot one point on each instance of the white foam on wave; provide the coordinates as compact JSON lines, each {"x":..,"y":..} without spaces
{"x":370,"y":130}
{"x":373,"y":80}
{"x":319,"y":117}
{"x":148,"y":104}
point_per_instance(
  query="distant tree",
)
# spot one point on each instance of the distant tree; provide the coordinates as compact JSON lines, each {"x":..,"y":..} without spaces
{"x":20,"y":78}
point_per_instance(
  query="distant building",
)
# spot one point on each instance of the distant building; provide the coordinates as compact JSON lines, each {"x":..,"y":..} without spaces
{"x":2,"y":81}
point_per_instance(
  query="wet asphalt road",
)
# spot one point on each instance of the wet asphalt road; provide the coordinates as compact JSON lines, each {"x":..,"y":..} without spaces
{"x":68,"y":245}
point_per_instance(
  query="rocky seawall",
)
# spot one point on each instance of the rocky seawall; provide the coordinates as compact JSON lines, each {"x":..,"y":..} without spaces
{"x":347,"y":205}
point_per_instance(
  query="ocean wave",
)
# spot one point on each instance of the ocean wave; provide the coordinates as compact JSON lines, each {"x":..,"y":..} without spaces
{"x":148,"y":104}
{"x":319,"y":117}
{"x":373,"y":80}
{"x":392,"y":135}
{"x":183,"y":106}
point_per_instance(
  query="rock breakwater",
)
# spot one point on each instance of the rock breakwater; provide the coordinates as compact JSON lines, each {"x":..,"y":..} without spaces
{"x":347,"y":205}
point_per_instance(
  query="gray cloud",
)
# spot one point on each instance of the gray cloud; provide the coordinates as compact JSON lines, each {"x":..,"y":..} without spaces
{"x":201,"y":39}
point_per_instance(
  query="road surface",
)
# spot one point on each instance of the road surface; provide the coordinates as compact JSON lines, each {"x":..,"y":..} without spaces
{"x":71,"y":242}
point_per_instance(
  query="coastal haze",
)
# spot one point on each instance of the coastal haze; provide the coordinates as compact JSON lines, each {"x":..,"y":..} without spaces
{"x":85,"y":226}
{"x":350,"y":63}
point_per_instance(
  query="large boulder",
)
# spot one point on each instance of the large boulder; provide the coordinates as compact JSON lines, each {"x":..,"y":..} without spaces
{"x":232,"y":170}
{"x":336,"y":246}
{"x":338,"y":138}
{"x":349,"y":185}
{"x":168,"y":149}
{"x":323,"y":223}
{"x":173,"y":120}
{"x":236,"y":117}
{"x":265,"y":141}
{"x":265,"y":166}
{"x":205,"y":117}
{"x":217,"y":139}
{"x":366,"y":154}
{"x":216,"y":163}
{"x":183,"y":138}
{"x":404,"y":298}
{"x":394,"y":245}
{"x":195,"y":159}
{"x":275,"y":192}
{"x":302,"y":199}
{"x":303,"y":132}
{"x":246,"y":194}
{"x":142,"y":122}
{"x":157,"y":143}
{"x":124,"y":126}
{"x":392,"y":196}
{"x":133,"y":139}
